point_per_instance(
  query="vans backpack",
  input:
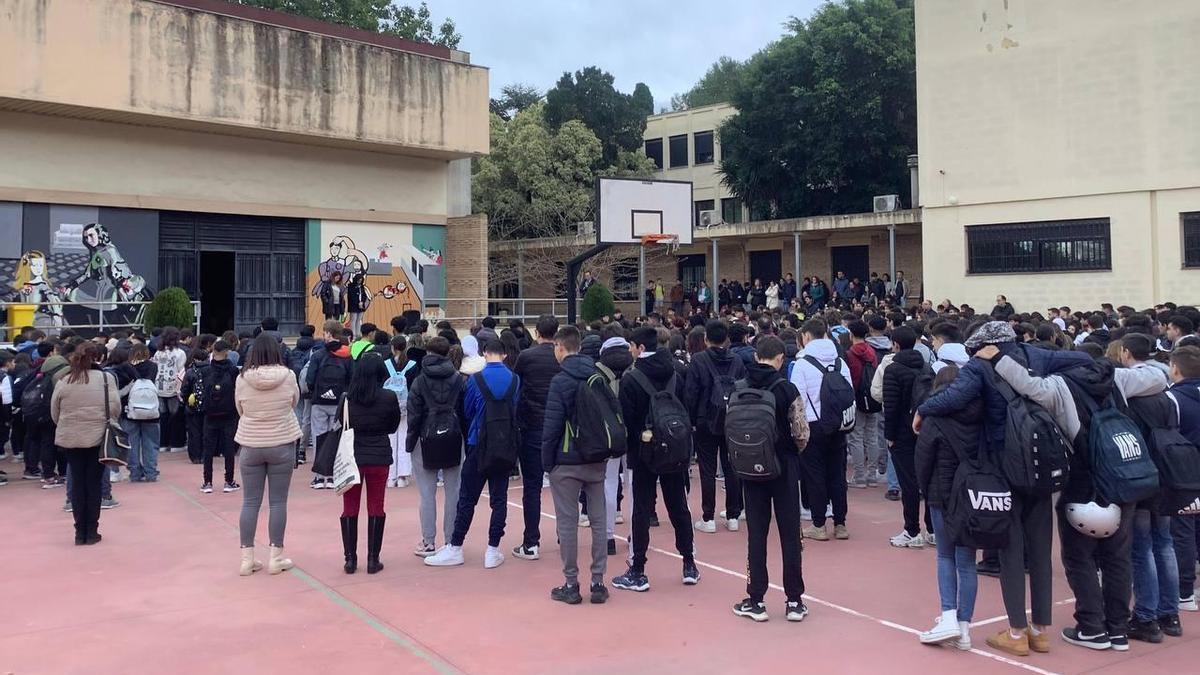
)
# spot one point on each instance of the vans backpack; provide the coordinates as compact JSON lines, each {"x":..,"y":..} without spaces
{"x":979,"y":506}
{"x":218,"y":398}
{"x":596,"y":429}
{"x":35,"y":400}
{"x":752,"y":432}
{"x":862,"y":396}
{"x":331,"y":380}
{"x":496,"y":447}
{"x":143,"y":400}
{"x":718,"y":397}
{"x":397,"y":380}
{"x":667,"y":438}
{"x":838,"y":401}
{"x":441,"y":435}
{"x":1121,"y":465}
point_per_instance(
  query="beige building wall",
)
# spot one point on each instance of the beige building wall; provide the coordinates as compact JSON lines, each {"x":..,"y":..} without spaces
{"x":1031,"y":111}
{"x":705,"y":178}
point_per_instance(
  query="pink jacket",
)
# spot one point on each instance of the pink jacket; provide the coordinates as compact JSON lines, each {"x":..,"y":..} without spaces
{"x":266,"y":399}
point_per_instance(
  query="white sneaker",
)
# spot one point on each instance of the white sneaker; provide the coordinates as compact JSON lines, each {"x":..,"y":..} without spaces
{"x":402,"y":482}
{"x":1188,"y":604}
{"x":904,"y":540}
{"x":964,"y":636}
{"x":945,"y":629}
{"x":492,"y":558}
{"x":391,"y":482}
{"x":709,"y":526}
{"x":805,"y":514}
{"x":584,"y":521}
{"x":545,"y":481}
{"x":620,"y":518}
{"x":447,"y":556}
{"x":930,"y":539}
{"x":732,"y":525}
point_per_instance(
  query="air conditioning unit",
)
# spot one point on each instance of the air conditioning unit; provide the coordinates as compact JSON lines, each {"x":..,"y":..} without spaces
{"x":885,"y":203}
{"x":709,"y":219}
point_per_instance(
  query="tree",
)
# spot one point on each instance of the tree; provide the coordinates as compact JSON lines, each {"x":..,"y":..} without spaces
{"x":617,"y":119}
{"x":826,"y":115}
{"x":171,"y":307}
{"x":597,"y":303}
{"x":514,"y":98}
{"x":380,"y":16}
{"x":717,"y":85}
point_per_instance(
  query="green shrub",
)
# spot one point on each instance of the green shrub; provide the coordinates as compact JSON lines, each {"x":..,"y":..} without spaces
{"x":597,"y":303}
{"x":171,"y":307}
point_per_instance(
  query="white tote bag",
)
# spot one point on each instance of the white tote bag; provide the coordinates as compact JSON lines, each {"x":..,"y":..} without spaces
{"x":345,"y":469}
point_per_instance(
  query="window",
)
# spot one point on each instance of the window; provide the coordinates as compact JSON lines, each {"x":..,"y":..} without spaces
{"x":1191,"y":239}
{"x":679,"y":151}
{"x":691,"y":270}
{"x":703,"y":205}
{"x":654,"y":151}
{"x":704,"y":147}
{"x":731,"y":210}
{"x":1046,"y":246}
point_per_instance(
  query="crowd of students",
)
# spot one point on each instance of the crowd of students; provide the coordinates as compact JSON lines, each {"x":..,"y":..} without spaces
{"x":994,"y":427}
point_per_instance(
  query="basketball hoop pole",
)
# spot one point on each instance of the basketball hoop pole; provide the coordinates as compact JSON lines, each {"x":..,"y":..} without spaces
{"x":573,"y":266}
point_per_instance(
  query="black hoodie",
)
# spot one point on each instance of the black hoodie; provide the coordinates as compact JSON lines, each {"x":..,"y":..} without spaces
{"x":438,"y":379}
{"x":763,"y":376}
{"x":943,"y":444}
{"x":897,"y":396}
{"x":697,"y":394}
{"x":560,"y":406}
{"x":617,"y":360}
{"x":658,"y":367}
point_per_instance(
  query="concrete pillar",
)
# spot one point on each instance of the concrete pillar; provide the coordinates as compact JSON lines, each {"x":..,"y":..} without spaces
{"x":892,"y":252}
{"x":914,"y":194}
{"x":716,"y":272}
{"x":796,"y":263}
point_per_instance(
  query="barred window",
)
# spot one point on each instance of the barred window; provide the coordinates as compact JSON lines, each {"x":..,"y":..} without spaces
{"x":1191,"y":239}
{"x":1044,"y":246}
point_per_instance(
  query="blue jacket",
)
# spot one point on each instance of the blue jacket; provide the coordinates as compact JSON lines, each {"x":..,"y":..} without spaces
{"x":560,"y":404}
{"x":975,"y":380}
{"x":497,"y":377}
{"x":1186,"y":394}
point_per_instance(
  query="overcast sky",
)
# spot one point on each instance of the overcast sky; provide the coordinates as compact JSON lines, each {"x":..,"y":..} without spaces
{"x":668,"y":44}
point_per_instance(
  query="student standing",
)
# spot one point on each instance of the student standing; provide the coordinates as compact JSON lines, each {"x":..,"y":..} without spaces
{"x":220,"y":416}
{"x":435,"y":393}
{"x":190,"y":392}
{"x":1185,"y":391}
{"x":536,"y":367}
{"x":398,"y":367}
{"x":494,"y":387}
{"x":864,"y":437}
{"x":328,"y":377}
{"x":144,"y":433}
{"x":781,"y":493}
{"x":267,"y":431}
{"x":170,"y":360}
{"x":899,"y":388}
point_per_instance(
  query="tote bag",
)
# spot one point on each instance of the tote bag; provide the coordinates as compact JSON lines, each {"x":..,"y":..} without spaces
{"x":345,"y":469}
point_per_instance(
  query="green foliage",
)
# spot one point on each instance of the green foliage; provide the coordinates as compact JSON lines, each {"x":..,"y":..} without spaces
{"x":826,"y":115}
{"x":597,"y":303}
{"x":380,"y":16}
{"x":717,"y":85}
{"x":513,"y":99}
{"x":617,"y":119}
{"x":171,"y":307}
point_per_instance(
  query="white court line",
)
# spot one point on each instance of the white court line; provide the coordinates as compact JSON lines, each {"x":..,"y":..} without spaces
{"x":1004,"y":617}
{"x":845,"y":610}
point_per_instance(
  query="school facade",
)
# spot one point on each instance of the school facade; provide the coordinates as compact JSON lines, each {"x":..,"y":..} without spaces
{"x":241,"y":154}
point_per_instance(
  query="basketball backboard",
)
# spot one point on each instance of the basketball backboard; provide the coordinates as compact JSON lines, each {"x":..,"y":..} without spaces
{"x":627,"y":208}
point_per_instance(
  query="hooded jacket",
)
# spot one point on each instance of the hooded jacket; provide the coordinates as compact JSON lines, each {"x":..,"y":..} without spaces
{"x":617,"y":360}
{"x":266,"y":398}
{"x":658,"y":367}
{"x":807,"y":377}
{"x":590,"y":347}
{"x":298,"y":355}
{"x":472,"y":362}
{"x":951,"y":352}
{"x":763,"y":376}
{"x":438,"y":380}
{"x":882,"y":345}
{"x":697,"y":392}
{"x":373,"y":424}
{"x":1186,"y":395}
{"x":858,"y":356}
{"x":560,"y":407}
{"x":498,"y":378}
{"x":331,"y":349}
{"x":897,"y":397}
{"x":943,"y":444}
{"x":536,"y":367}
{"x":125,"y":374}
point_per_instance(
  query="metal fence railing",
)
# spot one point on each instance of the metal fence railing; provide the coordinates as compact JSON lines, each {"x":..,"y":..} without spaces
{"x":525,"y":309}
{"x":95,"y":316}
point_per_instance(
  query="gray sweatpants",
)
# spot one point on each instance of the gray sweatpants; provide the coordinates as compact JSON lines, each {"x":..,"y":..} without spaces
{"x":566,"y":482}
{"x":261,"y":468}
{"x":427,"y":488}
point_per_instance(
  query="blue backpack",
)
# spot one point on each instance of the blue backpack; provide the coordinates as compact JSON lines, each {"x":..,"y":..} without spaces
{"x":397,"y":381}
{"x":1122,"y":468}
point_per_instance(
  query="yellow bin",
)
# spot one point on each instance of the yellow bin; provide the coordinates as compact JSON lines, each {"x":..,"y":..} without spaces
{"x":20,"y":316}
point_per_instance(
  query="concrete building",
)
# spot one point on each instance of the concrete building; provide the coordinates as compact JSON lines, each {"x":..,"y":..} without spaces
{"x":1060,"y":151}
{"x":241,"y":154}
{"x":684,"y":146}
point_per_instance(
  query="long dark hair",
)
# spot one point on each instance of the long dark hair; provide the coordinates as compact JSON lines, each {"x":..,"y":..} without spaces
{"x":169,"y":339}
{"x":367,"y":381}
{"x":84,"y":358}
{"x":264,"y":351}
{"x":399,"y":351}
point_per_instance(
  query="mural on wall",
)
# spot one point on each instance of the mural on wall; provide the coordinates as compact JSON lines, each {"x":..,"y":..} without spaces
{"x":398,"y":265}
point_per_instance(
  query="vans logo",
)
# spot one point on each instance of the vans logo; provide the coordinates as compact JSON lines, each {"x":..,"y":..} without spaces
{"x":990,"y":501}
{"x":1128,"y":444}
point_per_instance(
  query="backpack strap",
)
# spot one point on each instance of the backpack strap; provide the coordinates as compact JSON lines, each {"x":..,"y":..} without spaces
{"x":408,"y":365}
{"x":643,"y":381}
{"x":483,"y":388}
{"x":391,"y":367}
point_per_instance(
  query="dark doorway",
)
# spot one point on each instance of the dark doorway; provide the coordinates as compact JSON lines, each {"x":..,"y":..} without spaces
{"x":766,"y":265}
{"x":217,"y":291}
{"x":691,"y":270}
{"x":855,"y":261}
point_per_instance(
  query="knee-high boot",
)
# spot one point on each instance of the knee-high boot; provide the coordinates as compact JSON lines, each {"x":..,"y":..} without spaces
{"x":374,"y":542}
{"x":350,"y":542}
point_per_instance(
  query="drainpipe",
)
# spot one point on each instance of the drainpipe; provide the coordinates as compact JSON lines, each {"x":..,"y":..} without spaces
{"x":913,"y":183}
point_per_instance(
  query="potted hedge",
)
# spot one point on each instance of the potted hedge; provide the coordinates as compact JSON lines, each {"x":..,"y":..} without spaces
{"x":171,"y":307}
{"x":597,"y":303}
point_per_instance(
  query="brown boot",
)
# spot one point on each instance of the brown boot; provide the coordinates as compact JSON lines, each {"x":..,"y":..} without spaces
{"x":1005,"y":642}
{"x":1040,"y":642}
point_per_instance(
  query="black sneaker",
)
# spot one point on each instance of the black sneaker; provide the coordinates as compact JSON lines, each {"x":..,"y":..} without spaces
{"x":1170,"y":625}
{"x":1098,"y":641}
{"x":691,"y":574}
{"x":1145,"y":631}
{"x":31,"y":475}
{"x":231,"y":486}
{"x":892,"y":495}
{"x":988,"y":568}
{"x":632,"y":581}
{"x":599,"y":593}
{"x":1119,"y":643}
{"x":653,"y":520}
{"x":796,"y":611}
{"x":755,"y":611}
{"x":568,"y":593}
{"x":206,"y":488}
{"x":612,"y":546}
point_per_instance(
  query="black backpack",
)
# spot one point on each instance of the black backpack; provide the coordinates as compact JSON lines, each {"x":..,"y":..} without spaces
{"x":218,"y":400}
{"x":922,"y":387}
{"x":751,"y":432}
{"x":718,"y":397}
{"x":669,"y":448}
{"x":35,"y":400}
{"x":1122,"y":469}
{"x":441,"y":435}
{"x":596,"y":429}
{"x":979,"y":506}
{"x":837,"y":399}
{"x":496,"y":446}
{"x":331,"y":380}
{"x":862,"y":396}
{"x":1036,"y":456}
{"x":1177,"y":459}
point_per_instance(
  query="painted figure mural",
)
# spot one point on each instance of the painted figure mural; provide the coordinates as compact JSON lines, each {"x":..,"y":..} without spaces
{"x":33,"y":286}
{"x":106,"y":275}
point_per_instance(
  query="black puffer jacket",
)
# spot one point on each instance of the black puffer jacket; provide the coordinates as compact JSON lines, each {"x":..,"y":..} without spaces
{"x":697,"y":395}
{"x":536,"y":366}
{"x":897,"y":396}
{"x":372,"y":425}
{"x":560,"y":407}
{"x":439,"y":379}
{"x":943,"y":444}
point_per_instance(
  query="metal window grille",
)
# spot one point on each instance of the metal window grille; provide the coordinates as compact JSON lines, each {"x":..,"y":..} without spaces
{"x":1045,"y":246}
{"x":1191,"y":239}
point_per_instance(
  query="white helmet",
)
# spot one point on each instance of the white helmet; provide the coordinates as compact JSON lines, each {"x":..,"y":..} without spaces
{"x":1093,"y":520}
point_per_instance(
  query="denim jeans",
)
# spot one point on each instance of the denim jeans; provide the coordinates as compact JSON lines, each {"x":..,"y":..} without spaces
{"x":143,"y":448}
{"x":864,"y":446}
{"x":957,"y":581}
{"x":892,"y":479}
{"x":1155,"y":572}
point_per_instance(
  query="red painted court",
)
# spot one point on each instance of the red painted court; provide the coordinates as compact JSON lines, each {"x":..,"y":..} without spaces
{"x":161,"y":594}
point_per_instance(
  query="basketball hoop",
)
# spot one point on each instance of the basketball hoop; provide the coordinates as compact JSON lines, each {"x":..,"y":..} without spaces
{"x":671,"y":241}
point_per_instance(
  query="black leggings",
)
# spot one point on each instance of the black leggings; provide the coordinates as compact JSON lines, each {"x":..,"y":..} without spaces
{"x":904,"y":460}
